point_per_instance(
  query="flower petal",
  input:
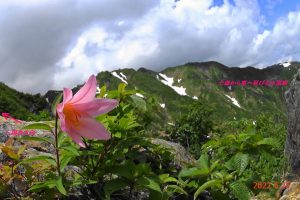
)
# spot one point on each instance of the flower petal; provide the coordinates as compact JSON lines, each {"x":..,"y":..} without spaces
{"x":96,"y":107}
{"x":68,"y":94}
{"x":92,"y":129}
{"x":75,"y":137}
{"x":87,"y":92}
{"x":59,"y":109}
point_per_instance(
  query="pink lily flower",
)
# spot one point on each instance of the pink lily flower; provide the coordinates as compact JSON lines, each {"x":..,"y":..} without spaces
{"x":76,"y":113}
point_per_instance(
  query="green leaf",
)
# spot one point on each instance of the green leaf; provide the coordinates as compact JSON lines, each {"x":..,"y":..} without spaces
{"x":60,"y":138}
{"x":64,"y":161}
{"x":55,"y":102}
{"x":121,"y":87}
{"x":139,"y":102}
{"x":175,"y":189}
{"x":240,"y":191}
{"x":251,"y":130}
{"x":207,"y":185}
{"x":166,"y":178}
{"x":21,"y":150}
{"x":140,"y":169}
{"x":194,"y":172}
{"x":241,"y":161}
{"x":10,"y":152}
{"x":238,"y":162}
{"x":50,"y":123}
{"x":192,"y":184}
{"x":114,"y":185}
{"x":102,"y":91}
{"x":149,"y":183}
{"x":60,"y":186}
{"x":269,"y":141}
{"x":203,"y":162}
{"x":81,"y":182}
{"x":39,"y":139}
{"x":71,"y":149}
{"x":125,"y":170}
{"x":154,"y":195}
{"x":49,"y":159}
{"x":214,"y":165}
{"x":117,"y":135}
{"x":39,"y":126}
{"x":132,"y":125}
{"x":41,"y":185}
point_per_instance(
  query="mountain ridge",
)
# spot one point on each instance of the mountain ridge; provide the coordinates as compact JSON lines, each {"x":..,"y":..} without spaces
{"x":175,"y":88}
{"x":200,"y":80}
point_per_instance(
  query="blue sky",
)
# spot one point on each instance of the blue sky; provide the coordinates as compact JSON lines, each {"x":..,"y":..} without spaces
{"x":276,"y":9}
{"x":221,"y":2}
{"x":272,"y":10}
{"x":64,"y":41}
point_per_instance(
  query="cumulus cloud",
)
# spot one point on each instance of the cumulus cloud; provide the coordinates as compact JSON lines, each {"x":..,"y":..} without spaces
{"x":35,"y":35}
{"x":171,"y":34}
{"x":279,"y":44}
{"x":50,"y":44}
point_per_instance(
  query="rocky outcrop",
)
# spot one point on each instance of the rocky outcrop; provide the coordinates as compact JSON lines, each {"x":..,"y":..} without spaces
{"x":181,"y":156}
{"x":292,"y":145}
{"x":292,"y":193}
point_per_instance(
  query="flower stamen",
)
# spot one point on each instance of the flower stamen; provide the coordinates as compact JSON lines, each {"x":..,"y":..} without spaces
{"x":71,"y":114}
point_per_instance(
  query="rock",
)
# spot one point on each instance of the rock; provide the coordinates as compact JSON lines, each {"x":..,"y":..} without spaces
{"x":262,"y":196}
{"x":292,"y":193}
{"x":181,"y":156}
{"x":19,"y":184}
{"x":292,"y":145}
{"x":8,"y":125}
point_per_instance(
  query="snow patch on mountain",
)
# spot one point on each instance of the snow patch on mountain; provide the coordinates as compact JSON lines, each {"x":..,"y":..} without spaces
{"x":194,"y":97}
{"x":140,"y":95}
{"x":115,"y":74}
{"x":179,"y":80}
{"x":123,"y":75}
{"x":285,"y":64}
{"x":98,"y":90}
{"x":169,"y":82}
{"x":234,"y":101}
{"x":162,"y":105}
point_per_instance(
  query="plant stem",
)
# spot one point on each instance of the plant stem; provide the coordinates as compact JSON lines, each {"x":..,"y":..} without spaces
{"x":56,"y":145}
{"x":101,"y":156}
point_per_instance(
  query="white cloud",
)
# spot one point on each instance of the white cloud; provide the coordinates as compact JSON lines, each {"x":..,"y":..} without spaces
{"x":66,"y":41}
{"x":192,"y":31}
{"x":40,"y":45}
{"x":281,"y":43}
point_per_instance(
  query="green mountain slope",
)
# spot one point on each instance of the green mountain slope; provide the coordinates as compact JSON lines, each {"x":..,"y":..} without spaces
{"x":21,"y":105}
{"x":176,"y":88}
{"x":201,"y":82}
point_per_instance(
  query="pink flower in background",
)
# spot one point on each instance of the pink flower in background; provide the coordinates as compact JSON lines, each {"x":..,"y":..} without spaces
{"x":7,"y":116}
{"x":76,"y":113}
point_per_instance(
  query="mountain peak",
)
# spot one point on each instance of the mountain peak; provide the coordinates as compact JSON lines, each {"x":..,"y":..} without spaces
{"x":207,"y":64}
